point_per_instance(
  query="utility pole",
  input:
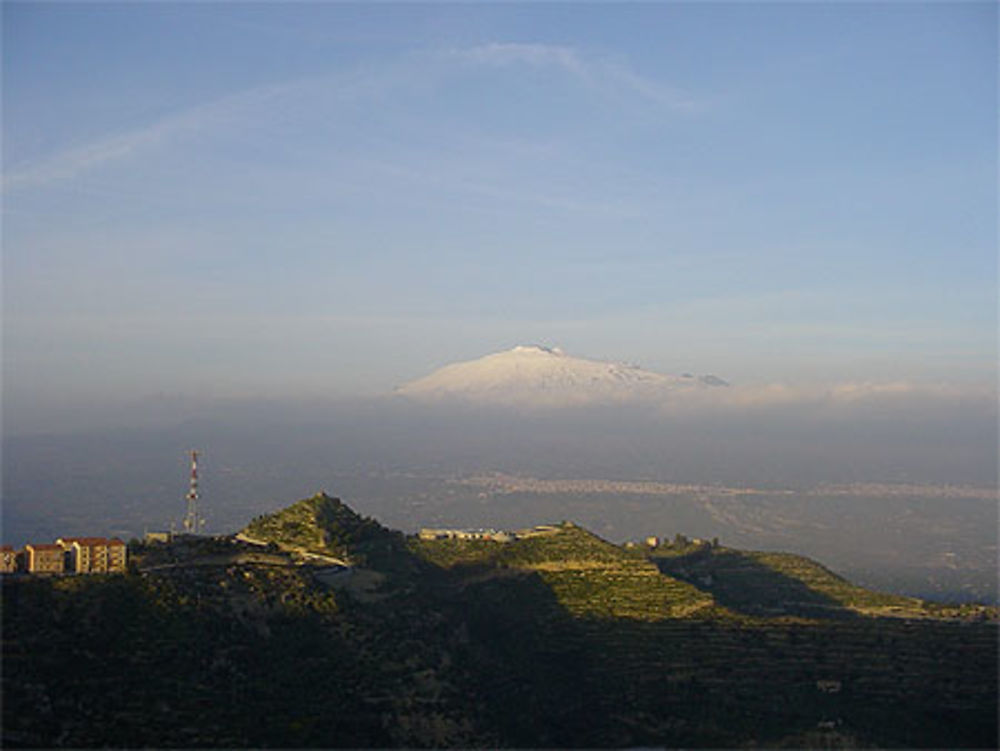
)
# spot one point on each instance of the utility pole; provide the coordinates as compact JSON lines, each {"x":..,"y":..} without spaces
{"x":192,"y":521}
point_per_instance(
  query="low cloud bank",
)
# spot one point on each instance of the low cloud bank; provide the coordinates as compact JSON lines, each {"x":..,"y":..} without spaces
{"x":830,"y":398}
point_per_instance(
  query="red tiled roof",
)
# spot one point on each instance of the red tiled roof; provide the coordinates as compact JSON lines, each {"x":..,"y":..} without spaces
{"x":43,"y":546}
{"x":90,"y":541}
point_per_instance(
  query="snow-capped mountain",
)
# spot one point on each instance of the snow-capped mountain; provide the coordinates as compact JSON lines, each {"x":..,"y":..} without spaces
{"x":544,"y":376}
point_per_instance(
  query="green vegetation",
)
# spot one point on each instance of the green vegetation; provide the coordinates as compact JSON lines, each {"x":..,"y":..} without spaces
{"x":324,"y":526}
{"x":587,"y":576}
{"x":320,"y":524}
{"x":778,"y":583}
{"x":555,"y":640}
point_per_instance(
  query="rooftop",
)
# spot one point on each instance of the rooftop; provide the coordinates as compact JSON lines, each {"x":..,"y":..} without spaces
{"x":91,"y":541}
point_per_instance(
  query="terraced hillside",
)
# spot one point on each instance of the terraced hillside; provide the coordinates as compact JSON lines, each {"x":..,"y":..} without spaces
{"x":558,"y":639}
{"x":586,"y":575}
{"x":777,"y":644}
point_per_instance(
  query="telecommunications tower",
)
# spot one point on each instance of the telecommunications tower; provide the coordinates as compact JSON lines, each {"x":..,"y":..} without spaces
{"x":192,"y":521}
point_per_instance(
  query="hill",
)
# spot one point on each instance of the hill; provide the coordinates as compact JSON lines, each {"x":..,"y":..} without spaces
{"x":556,"y":638}
{"x":322,"y":526}
{"x":774,"y":584}
{"x":587,"y":576}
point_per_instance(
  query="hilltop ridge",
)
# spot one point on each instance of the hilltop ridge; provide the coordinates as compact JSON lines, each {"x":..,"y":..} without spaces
{"x":587,"y":574}
{"x":322,"y":529}
{"x":320,"y":525}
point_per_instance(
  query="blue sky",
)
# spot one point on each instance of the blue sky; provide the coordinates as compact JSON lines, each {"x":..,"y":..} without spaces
{"x":330,"y":199}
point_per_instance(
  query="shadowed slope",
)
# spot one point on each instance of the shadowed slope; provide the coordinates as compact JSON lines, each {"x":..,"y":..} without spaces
{"x":768,"y":584}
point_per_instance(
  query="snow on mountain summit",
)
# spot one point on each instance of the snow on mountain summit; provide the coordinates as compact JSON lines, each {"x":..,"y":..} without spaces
{"x":535,"y":375}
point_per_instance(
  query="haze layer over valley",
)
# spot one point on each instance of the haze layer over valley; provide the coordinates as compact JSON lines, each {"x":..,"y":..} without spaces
{"x":892,"y":484}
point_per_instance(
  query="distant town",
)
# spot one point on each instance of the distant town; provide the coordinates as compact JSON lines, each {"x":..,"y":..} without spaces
{"x":487,"y":534}
{"x":501,"y":483}
{"x":544,"y":530}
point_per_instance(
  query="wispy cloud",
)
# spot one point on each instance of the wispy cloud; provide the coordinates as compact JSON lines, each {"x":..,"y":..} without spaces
{"x":595,"y":73}
{"x":71,"y":162}
{"x":853,"y":396}
{"x":507,"y":53}
{"x":365,"y":82}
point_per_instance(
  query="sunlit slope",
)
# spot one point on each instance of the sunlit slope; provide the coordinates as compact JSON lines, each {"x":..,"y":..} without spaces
{"x":320,"y":524}
{"x":324,"y":526}
{"x":586,"y":575}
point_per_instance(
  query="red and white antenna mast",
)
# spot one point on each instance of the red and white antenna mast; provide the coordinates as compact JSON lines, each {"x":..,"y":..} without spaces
{"x":192,"y":521}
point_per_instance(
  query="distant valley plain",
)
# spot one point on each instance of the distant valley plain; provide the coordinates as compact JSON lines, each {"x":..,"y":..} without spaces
{"x":879,"y":520}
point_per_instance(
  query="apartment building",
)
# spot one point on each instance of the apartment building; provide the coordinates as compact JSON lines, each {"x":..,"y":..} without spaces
{"x":8,"y":559}
{"x":94,"y":555}
{"x":45,"y":558}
